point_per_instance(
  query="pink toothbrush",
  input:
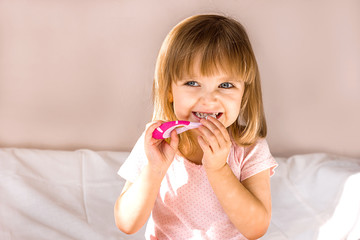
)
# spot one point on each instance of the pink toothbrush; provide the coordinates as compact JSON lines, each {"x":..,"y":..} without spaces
{"x":181,"y":126}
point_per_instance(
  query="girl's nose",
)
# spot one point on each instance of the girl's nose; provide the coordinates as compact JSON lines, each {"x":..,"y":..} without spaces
{"x":209,"y":97}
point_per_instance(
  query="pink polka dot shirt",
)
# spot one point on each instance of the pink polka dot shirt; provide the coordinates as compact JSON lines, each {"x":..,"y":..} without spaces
{"x":186,"y":206}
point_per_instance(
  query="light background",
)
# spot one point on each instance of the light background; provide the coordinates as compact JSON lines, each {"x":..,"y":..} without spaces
{"x":78,"y":74}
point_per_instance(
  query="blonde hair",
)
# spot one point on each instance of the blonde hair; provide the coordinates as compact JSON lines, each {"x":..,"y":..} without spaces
{"x":222,"y":44}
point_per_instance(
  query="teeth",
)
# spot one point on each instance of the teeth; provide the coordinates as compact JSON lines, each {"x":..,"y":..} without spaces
{"x":204,"y":115}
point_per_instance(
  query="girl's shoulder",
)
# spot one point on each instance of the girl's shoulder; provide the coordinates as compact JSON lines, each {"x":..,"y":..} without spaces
{"x":260,"y":146}
{"x":251,"y":159}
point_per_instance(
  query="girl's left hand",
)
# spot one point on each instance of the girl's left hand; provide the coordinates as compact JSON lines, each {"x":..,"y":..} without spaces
{"x":215,"y":143}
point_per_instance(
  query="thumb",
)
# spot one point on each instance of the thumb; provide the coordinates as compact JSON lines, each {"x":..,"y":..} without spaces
{"x":170,"y":149}
{"x":174,"y":140}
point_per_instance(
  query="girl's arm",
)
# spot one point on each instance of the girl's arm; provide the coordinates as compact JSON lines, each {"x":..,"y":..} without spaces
{"x":134,"y":205}
{"x":247,"y":203}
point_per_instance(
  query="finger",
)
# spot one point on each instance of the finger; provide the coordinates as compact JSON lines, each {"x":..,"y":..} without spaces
{"x":169,"y":149}
{"x":174,"y":140}
{"x":221,"y":127}
{"x":204,"y":145}
{"x":150,"y":128}
{"x":214,"y":132}
{"x":209,"y":137}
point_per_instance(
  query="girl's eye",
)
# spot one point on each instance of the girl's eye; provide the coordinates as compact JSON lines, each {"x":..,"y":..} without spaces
{"x":226,"y":85}
{"x":192,"y":84}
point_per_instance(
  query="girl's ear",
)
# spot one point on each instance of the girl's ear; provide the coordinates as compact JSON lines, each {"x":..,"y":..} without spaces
{"x":170,"y":97}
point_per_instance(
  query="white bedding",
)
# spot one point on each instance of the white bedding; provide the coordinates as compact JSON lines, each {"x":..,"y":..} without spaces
{"x":70,"y":195}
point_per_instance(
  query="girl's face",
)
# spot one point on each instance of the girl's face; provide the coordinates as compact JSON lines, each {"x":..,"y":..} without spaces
{"x":218,"y":95}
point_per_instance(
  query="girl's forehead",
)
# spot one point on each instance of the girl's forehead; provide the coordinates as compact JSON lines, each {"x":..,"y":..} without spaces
{"x":197,"y":72}
{"x":199,"y":66}
{"x":221,"y":76}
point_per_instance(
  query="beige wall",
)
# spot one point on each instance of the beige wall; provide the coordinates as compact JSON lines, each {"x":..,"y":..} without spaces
{"x":77,"y":74}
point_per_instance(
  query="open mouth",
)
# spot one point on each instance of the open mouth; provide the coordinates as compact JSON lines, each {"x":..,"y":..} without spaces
{"x":201,"y":115}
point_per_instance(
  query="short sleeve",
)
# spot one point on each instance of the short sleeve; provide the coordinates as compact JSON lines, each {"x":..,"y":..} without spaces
{"x":131,"y":168}
{"x":257,"y":158}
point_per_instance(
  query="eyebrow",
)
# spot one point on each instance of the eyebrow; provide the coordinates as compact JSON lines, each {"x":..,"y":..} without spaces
{"x":224,"y":78}
{"x":230,"y":79}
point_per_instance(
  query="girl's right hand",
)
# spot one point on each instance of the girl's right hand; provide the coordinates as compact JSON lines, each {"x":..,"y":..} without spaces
{"x":159,"y":153}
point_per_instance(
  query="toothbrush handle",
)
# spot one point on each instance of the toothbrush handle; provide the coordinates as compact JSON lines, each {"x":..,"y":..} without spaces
{"x":180,"y":126}
{"x":191,"y":125}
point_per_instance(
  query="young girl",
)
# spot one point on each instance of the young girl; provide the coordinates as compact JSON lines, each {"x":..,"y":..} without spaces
{"x":211,"y":182}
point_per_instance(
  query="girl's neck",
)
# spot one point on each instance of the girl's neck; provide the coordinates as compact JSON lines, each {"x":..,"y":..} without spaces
{"x":195,"y":158}
{"x":194,"y":155}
